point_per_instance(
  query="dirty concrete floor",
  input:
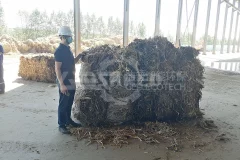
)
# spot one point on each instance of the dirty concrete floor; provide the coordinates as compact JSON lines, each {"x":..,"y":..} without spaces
{"x":28,"y":124}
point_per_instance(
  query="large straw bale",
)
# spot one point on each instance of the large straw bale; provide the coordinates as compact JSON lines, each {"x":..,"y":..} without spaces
{"x":7,"y":47}
{"x":105,"y":97}
{"x":38,"y":68}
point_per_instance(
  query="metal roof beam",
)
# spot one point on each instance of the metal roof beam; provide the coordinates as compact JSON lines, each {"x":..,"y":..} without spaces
{"x":231,"y":5}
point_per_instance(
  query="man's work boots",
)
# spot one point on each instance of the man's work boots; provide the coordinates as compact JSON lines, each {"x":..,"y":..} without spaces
{"x":64,"y":130}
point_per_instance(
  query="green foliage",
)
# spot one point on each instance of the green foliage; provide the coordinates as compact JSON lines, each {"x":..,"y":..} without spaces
{"x":210,"y":40}
{"x":141,"y":30}
{"x":2,"y":23}
{"x":186,"y":40}
{"x":40,"y":24}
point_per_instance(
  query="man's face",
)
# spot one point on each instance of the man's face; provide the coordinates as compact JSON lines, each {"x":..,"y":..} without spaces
{"x":68,"y":39}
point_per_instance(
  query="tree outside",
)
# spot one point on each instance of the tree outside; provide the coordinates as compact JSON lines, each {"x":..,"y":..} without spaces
{"x":37,"y":24}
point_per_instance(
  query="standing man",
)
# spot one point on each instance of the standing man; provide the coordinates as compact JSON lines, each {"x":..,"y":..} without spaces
{"x":65,"y":71}
{"x":2,"y":84}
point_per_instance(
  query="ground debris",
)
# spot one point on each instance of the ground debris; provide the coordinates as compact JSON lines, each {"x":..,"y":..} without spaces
{"x":175,"y":146}
{"x":120,"y":135}
{"x":205,"y":124}
{"x":197,"y":144}
{"x":172,"y":135}
{"x":222,"y":138}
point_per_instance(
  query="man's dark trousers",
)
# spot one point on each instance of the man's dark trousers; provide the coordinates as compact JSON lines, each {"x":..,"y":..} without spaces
{"x":65,"y":108}
{"x":2,"y":84}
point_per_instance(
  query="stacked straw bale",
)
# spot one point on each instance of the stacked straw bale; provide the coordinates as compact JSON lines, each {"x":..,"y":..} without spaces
{"x":38,"y":68}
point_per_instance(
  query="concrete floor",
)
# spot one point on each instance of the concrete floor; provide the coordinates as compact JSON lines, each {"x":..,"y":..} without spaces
{"x":29,"y":130}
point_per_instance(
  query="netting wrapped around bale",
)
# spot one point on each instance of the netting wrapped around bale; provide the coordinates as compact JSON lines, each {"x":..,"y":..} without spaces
{"x":148,"y":80}
{"x":38,"y":68}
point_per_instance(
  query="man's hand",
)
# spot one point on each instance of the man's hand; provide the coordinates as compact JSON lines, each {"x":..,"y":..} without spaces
{"x":79,"y":56}
{"x":63,"y":89}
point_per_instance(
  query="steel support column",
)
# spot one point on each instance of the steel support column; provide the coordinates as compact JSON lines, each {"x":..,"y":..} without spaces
{"x":195,"y":23}
{"x":238,"y":48}
{"x":224,"y":29}
{"x":216,"y":27}
{"x":126,"y":23}
{"x":207,"y":26}
{"x":77,"y":27}
{"x":179,"y":21}
{"x":157,"y":18}
{"x":230,"y":29}
{"x":236,"y":29}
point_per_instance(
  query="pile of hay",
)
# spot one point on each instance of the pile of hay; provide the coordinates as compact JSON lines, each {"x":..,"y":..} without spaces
{"x":40,"y":45}
{"x":149,"y":132}
{"x":50,"y":43}
{"x":175,"y":136}
{"x":148,"y":80}
{"x":38,"y":68}
{"x":9,"y":44}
